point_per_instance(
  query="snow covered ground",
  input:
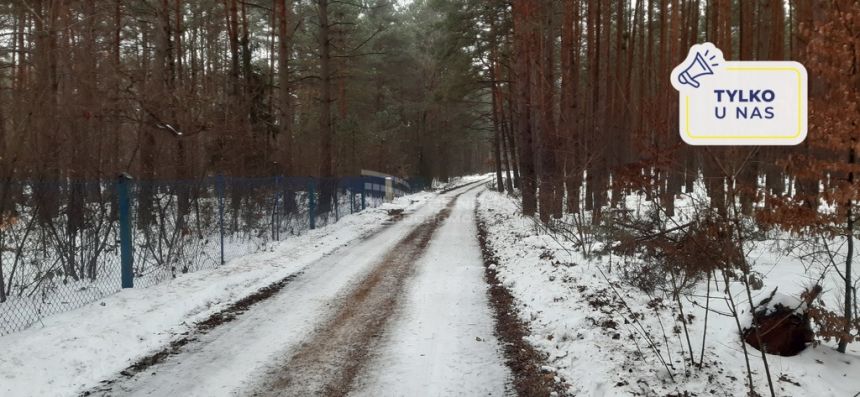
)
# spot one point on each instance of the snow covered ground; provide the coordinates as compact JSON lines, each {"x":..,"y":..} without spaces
{"x":601,"y":335}
{"x":593,"y":328}
{"x":440,"y":337}
{"x":442,"y":342}
{"x":73,"y":351}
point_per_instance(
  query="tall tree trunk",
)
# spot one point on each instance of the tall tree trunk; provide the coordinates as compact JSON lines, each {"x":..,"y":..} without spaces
{"x":849,"y":302}
{"x":248,"y":72}
{"x":747,"y":32}
{"x":715,"y":175}
{"x":114,"y":161}
{"x":233,"y":34}
{"x":674,"y":179}
{"x":774,"y":18}
{"x":47,"y":91}
{"x":496,"y":102}
{"x":507,"y":153}
{"x":285,"y":120}
{"x":748,"y":176}
{"x":164,"y":49}
{"x":523,"y":13}
{"x":325,"y":119}
{"x":569,"y":90}
{"x":549,"y":195}
{"x":510,"y":133}
{"x":591,"y":162}
{"x":177,"y":40}
{"x":807,"y":187}
{"x":21,"y":72}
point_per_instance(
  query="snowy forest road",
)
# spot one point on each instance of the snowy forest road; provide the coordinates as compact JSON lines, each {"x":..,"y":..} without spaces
{"x":403,"y":312}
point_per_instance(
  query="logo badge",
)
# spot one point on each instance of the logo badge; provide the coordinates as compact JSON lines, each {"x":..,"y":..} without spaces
{"x":740,"y":103}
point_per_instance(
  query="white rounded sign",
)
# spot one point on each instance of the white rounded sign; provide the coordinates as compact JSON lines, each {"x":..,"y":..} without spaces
{"x":740,"y":103}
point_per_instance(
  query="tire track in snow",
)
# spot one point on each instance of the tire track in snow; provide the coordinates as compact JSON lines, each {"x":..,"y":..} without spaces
{"x":329,"y":361}
{"x":440,"y":341}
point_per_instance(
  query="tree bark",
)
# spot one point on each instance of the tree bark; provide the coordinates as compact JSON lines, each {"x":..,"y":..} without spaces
{"x":285,"y":120}
{"x":849,"y":257}
{"x":550,"y":197}
{"x":325,"y":119}
{"x":495,"y":102}
{"x":233,"y":34}
{"x":569,"y":91}
{"x":523,"y":12}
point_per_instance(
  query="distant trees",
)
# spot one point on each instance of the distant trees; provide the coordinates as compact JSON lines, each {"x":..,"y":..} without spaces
{"x":173,"y":91}
{"x":180,"y":89}
{"x":590,"y":97}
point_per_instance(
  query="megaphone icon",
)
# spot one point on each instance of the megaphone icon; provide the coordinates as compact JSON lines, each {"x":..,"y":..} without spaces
{"x":698,"y":68}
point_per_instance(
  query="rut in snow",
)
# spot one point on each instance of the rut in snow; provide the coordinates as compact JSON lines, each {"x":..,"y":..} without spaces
{"x":328,"y":362}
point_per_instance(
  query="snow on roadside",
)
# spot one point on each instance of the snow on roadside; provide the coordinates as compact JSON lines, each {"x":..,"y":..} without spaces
{"x":73,"y":351}
{"x":459,"y":181}
{"x":594,"y":329}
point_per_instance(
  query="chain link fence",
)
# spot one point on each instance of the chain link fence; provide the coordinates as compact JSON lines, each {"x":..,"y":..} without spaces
{"x":60,"y":243}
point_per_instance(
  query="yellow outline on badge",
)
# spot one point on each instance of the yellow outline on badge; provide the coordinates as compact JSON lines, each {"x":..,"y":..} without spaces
{"x":754,"y":69}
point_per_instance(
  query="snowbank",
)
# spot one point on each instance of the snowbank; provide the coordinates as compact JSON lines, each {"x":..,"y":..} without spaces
{"x":596,"y":329}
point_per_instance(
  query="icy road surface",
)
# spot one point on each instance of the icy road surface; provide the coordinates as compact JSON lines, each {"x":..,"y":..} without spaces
{"x":403,"y":312}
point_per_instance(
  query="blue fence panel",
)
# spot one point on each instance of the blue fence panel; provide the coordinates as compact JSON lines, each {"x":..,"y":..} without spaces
{"x":64,"y":243}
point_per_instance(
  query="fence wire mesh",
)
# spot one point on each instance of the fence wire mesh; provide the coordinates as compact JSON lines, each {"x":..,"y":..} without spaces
{"x":60,"y":242}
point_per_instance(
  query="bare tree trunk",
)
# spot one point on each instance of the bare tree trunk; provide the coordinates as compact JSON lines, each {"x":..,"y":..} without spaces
{"x":233,"y":35}
{"x":47,"y":90}
{"x":773,"y":16}
{"x":325,"y":120}
{"x":849,"y":278}
{"x":164,"y":48}
{"x":507,"y":153}
{"x":21,"y":70}
{"x":523,"y":12}
{"x":497,"y":144}
{"x":177,"y":40}
{"x":247,"y":72}
{"x":546,"y":89}
{"x":569,"y":90}
{"x":747,"y":32}
{"x":593,"y":44}
{"x":715,"y":175}
{"x":748,"y":176}
{"x":285,"y":121}
{"x":496,"y":101}
{"x":509,"y":132}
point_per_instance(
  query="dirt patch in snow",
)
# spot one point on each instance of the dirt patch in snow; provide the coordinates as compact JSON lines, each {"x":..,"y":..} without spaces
{"x":329,"y":361}
{"x":531,"y":375}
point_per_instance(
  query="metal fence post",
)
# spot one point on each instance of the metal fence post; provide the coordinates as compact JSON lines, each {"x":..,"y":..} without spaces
{"x":219,"y":186}
{"x":336,"y":199}
{"x":126,"y":254}
{"x":363,"y":197}
{"x":351,"y":194}
{"x":312,"y":205}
